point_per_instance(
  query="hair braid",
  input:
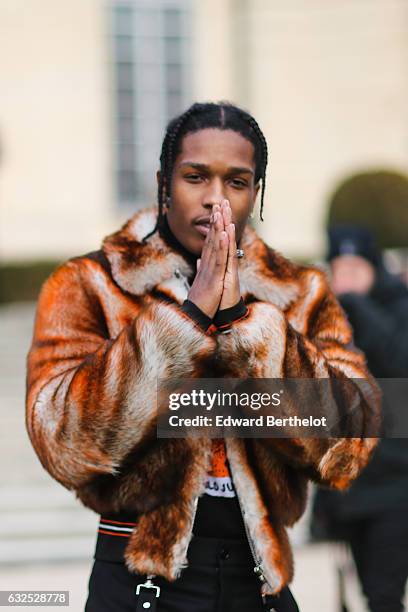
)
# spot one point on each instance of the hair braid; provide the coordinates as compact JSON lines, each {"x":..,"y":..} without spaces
{"x":255,"y":126}
{"x":174,"y":133}
{"x":166,"y":165}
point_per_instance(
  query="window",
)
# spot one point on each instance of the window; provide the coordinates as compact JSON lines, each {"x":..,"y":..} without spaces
{"x":151,"y":49}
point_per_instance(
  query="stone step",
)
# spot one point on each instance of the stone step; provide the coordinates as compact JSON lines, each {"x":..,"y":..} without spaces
{"x":21,"y":524}
{"x":37,"y":550}
{"x":14,"y":389}
{"x":17,"y":477}
{"x":40,"y":523}
{"x":47,"y":497}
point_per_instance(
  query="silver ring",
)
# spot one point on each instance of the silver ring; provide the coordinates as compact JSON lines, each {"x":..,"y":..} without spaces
{"x":240,"y":253}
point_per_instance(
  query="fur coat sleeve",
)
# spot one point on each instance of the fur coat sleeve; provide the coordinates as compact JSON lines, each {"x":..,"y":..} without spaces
{"x":312,"y":339}
{"x":91,"y":393}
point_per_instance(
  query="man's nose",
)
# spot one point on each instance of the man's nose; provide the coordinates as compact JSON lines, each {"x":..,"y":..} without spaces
{"x":214,"y":194}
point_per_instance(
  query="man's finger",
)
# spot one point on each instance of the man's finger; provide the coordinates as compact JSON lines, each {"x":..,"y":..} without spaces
{"x":212,"y":242}
{"x":227,"y":213}
{"x":208,"y":245}
{"x":232,"y":264}
{"x":222,"y":253}
{"x":214,"y":259}
{"x":217,"y":229}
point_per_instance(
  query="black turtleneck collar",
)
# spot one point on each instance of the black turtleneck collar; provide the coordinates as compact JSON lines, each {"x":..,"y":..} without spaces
{"x":168,"y":236}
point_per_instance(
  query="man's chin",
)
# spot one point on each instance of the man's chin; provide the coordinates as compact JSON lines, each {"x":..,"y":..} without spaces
{"x":194,"y":246}
{"x":197,"y":249}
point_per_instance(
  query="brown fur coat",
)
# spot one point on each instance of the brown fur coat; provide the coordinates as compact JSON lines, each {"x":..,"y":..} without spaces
{"x":109,"y":323}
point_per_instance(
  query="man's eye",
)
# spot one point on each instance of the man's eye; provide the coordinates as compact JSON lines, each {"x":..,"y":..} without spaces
{"x":194,"y":178}
{"x":238,"y":183}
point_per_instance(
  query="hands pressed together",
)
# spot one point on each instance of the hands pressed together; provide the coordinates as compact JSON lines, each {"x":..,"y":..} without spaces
{"x":216,"y":285}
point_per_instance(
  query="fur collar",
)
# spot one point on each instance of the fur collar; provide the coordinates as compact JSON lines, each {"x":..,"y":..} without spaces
{"x":138,"y":268}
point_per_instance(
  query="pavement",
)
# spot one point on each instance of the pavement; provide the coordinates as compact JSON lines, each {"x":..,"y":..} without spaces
{"x":47,"y":538}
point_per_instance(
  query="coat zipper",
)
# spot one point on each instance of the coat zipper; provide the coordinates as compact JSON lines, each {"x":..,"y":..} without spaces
{"x":193,"y":519}
{"x":258,"y":570}
{"x":178,"y":274}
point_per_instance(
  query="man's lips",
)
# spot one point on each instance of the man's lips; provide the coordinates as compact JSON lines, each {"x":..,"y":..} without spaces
{"x":202,"y":228}
{"x":202,"y":225}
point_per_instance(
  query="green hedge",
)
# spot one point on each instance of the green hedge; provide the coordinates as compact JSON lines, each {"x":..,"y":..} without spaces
{"x":377,"y":199}
{"x":21,"y":282}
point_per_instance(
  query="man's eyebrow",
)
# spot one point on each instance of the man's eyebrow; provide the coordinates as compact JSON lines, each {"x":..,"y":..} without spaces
{"x":205,"y":168}
{"x":240,"y":170}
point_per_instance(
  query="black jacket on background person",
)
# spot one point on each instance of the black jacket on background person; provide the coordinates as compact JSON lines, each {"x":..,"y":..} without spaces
{"x":380,"y":324}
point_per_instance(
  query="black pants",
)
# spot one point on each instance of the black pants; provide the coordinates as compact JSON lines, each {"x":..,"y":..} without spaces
{"x":379,"y":545}
{"x":219,"y":578}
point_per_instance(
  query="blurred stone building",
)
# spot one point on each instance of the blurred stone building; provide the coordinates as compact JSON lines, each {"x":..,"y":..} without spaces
{"x":86,"y":88}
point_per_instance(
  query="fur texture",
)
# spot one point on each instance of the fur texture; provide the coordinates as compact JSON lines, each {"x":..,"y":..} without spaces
{"x":109,"y":324}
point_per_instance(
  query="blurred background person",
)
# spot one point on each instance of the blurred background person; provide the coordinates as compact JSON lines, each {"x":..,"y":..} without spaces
{"x":372,"y":515}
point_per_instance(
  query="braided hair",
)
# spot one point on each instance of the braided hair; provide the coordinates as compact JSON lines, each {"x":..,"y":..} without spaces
{"x":224,"y":116}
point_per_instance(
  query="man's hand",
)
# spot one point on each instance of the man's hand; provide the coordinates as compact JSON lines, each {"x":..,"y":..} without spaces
{"x":231,"y":293}
{"x":208,"y":285}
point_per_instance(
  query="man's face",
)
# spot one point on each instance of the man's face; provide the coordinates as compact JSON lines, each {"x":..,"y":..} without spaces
{"x":213,"y":165}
